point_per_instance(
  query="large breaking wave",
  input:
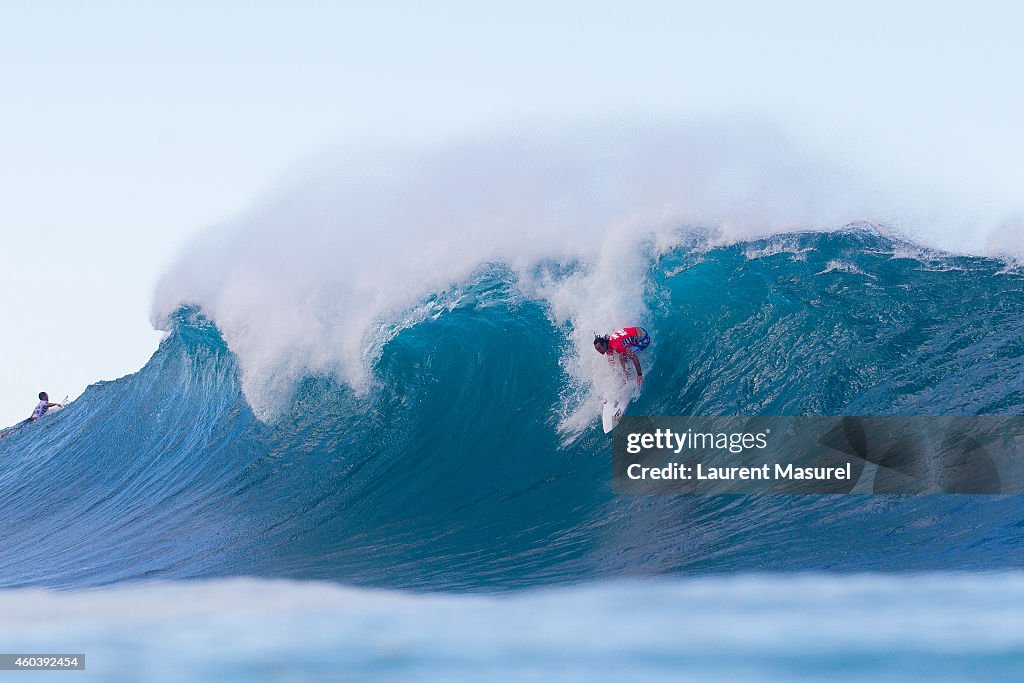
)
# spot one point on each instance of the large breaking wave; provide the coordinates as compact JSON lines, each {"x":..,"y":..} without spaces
{"x":470,"y":458}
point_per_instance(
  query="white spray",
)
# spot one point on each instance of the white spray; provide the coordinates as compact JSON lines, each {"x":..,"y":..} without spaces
{"x":314,"y":279}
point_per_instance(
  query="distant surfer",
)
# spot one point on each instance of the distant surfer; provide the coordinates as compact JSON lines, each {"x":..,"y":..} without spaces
{"x":41,"y":407}
{"x":624,"y":344}
{"x":40,"y":410}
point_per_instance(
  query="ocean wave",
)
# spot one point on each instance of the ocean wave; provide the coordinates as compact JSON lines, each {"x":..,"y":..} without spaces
{"x":472,"y":458}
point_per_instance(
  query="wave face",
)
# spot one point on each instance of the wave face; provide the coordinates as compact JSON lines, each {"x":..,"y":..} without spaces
{"x":457,"y":469}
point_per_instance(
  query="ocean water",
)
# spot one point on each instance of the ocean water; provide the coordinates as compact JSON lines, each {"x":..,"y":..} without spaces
{"x":450,"y":516}
{"x":962,"y":627}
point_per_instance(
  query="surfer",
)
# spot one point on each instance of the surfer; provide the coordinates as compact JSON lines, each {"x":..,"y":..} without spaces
{"x":624,"y":344}
{"x":40,"y":410}
{"x":41,"y":407}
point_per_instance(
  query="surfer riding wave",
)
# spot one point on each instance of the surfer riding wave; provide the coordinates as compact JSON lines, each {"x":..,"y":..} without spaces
{"x":624,"y":344}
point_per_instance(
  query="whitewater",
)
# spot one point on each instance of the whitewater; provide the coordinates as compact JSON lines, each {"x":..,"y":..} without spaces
{"x":375,"y":408}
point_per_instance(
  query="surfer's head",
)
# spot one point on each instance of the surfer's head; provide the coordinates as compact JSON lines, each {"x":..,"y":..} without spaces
{"x":43,"y":396}
{"x":601,"y":344}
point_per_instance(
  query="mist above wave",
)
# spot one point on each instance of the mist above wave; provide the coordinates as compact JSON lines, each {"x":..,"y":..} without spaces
{"x":317,"y":277}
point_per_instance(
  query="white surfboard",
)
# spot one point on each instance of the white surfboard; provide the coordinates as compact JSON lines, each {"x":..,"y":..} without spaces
{"x":614,"y":407}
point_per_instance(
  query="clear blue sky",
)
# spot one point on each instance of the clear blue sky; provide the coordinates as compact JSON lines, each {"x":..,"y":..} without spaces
{"x":126,"y":128}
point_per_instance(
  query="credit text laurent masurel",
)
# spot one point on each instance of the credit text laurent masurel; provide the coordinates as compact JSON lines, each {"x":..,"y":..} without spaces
{"x":766,"y":471}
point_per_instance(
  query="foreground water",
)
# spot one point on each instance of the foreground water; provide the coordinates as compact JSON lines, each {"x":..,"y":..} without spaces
{"x":939,"y":626}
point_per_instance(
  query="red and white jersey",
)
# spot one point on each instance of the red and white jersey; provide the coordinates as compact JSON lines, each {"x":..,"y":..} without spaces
{"x":622,"y":340}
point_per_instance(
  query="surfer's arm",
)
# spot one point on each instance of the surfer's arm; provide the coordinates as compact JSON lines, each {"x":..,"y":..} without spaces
{"x":636,"y":364}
